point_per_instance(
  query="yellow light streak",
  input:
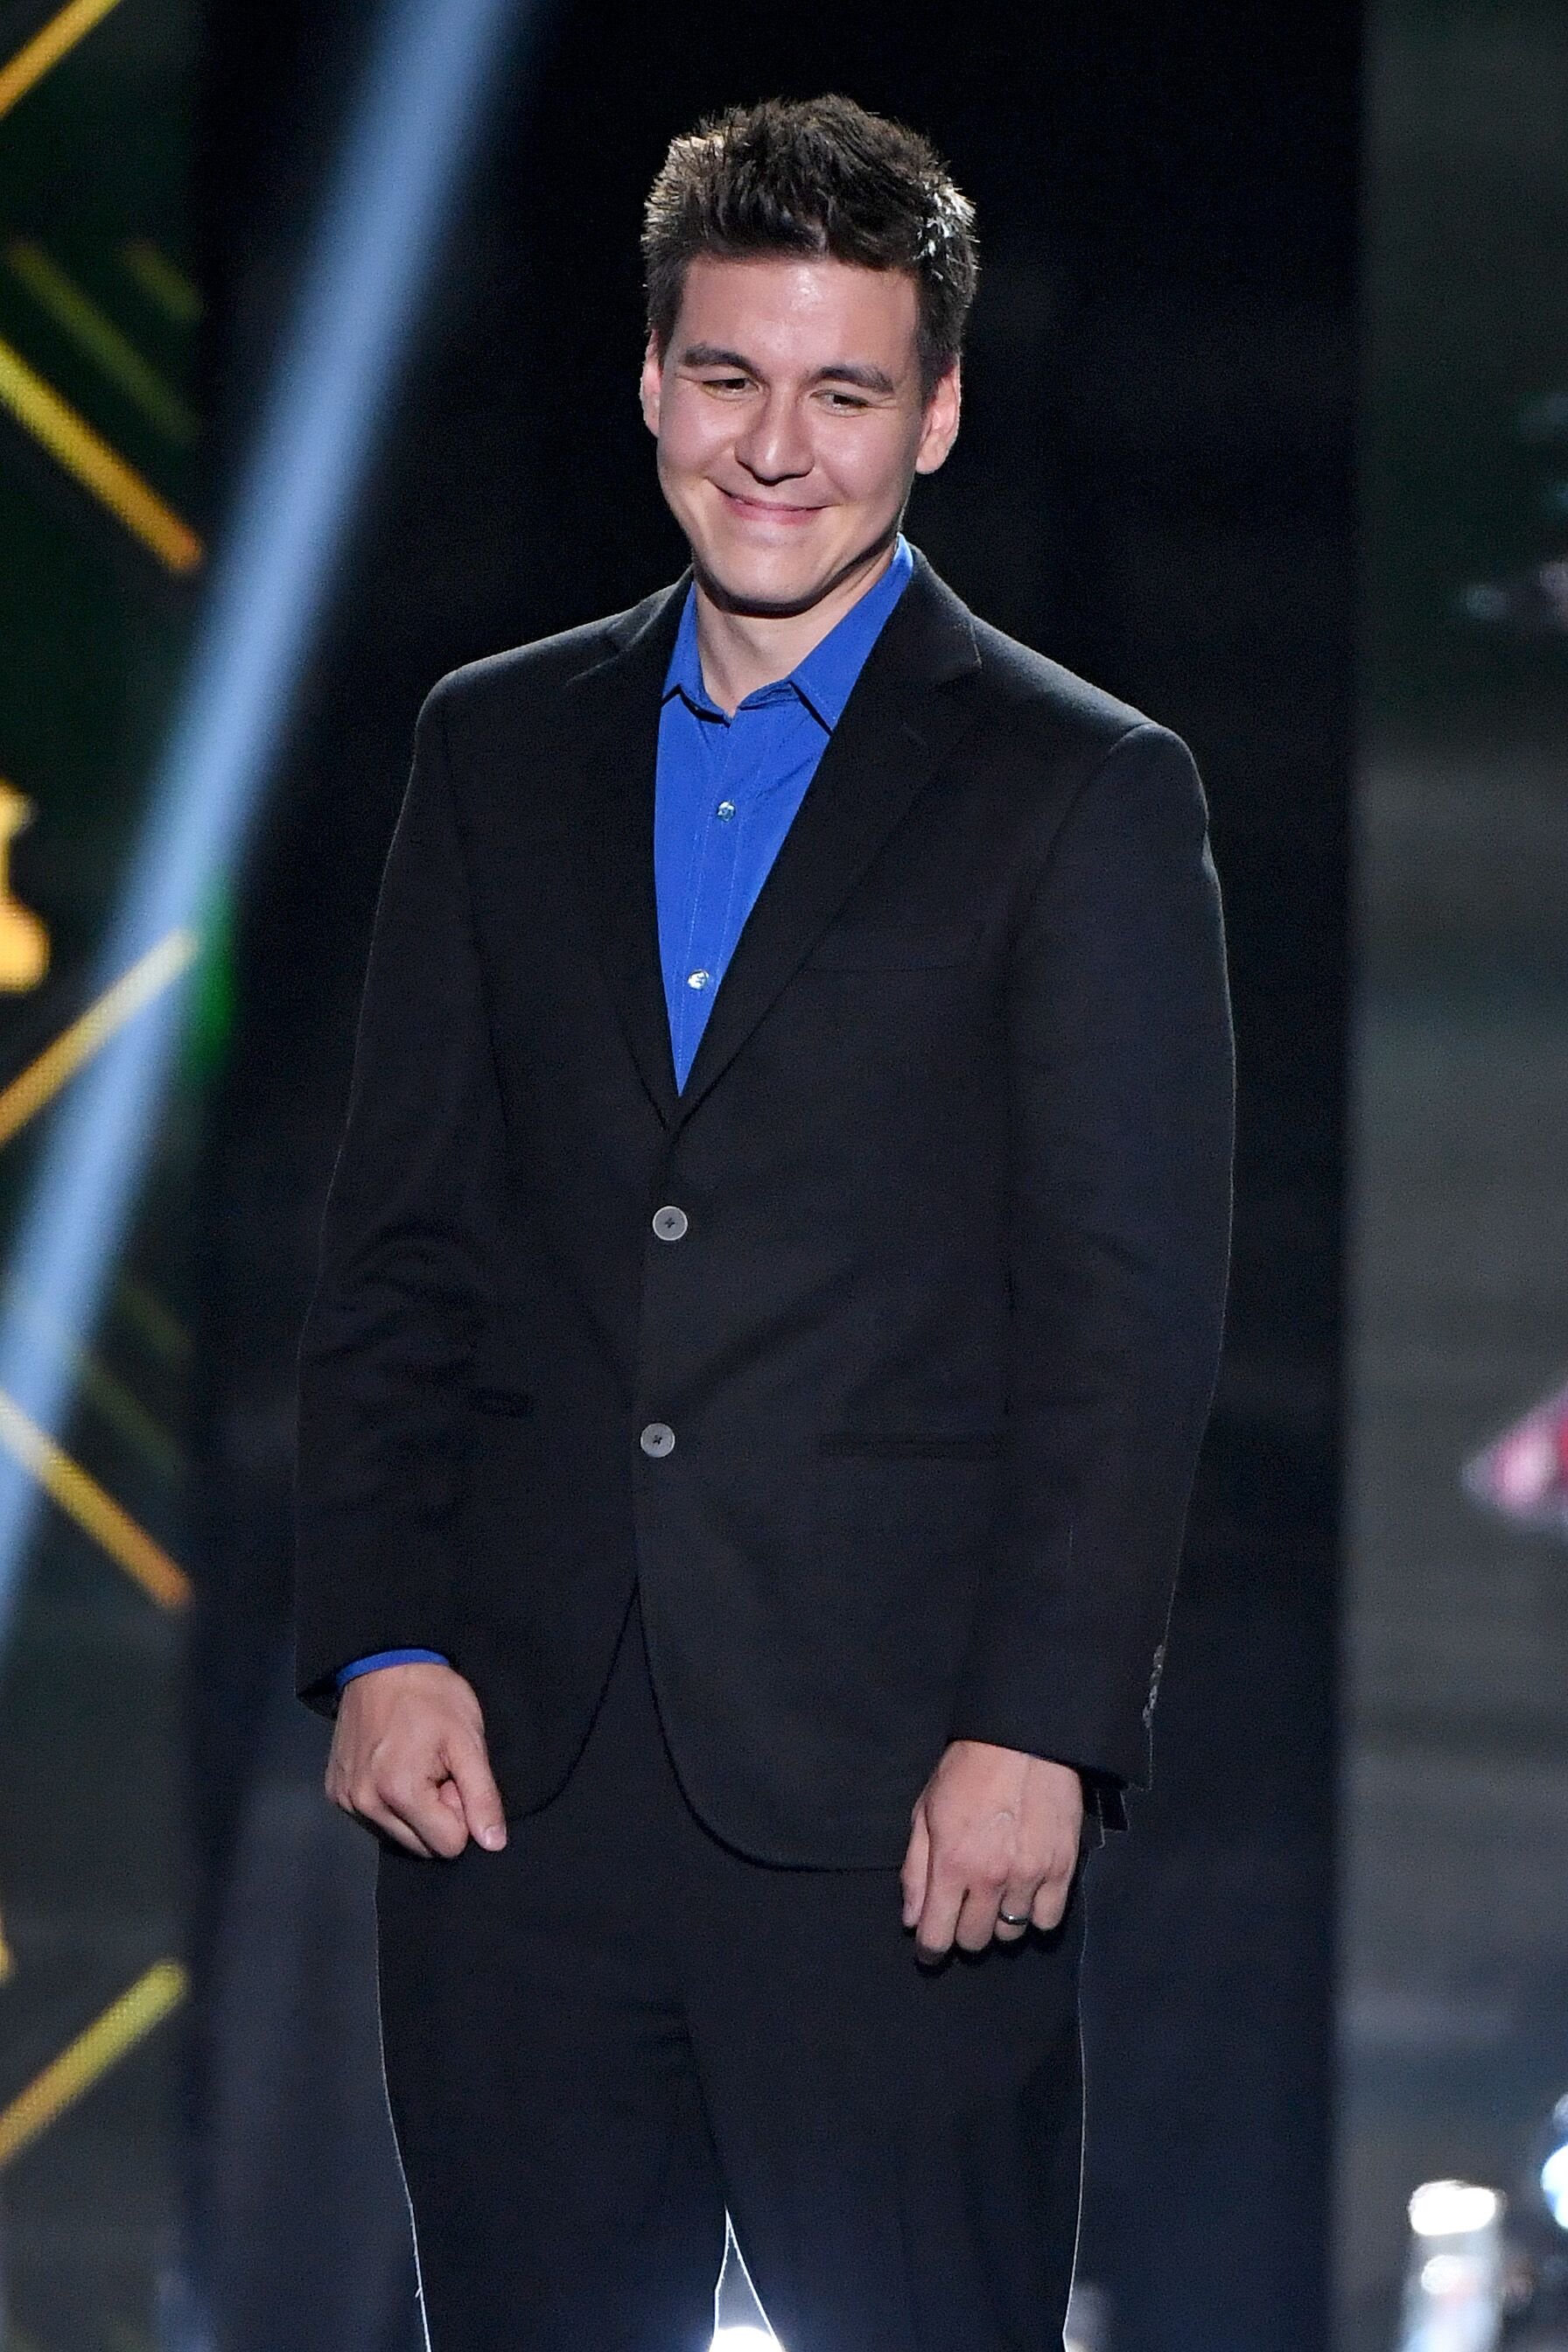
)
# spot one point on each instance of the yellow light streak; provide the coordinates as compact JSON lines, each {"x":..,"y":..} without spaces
{"x":85,"y":455}
{"x":48,"y":47}
{"x":82,"y":2062}
{"x":33,"y":1087}
{"x":95,"y":333}
{"x":73,"y":1489}
{"x":109,"y":1395}
{"x":24,"y":936}
{"x":93,"y":1509}
{"x":8,"y":1965}
{"x":161,"y":280}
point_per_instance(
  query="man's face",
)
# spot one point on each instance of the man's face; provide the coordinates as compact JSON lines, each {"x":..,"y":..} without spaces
{"x":790,"y":421}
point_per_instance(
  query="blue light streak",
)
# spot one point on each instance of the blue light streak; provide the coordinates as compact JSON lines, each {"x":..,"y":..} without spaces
{"x":413,"y":130}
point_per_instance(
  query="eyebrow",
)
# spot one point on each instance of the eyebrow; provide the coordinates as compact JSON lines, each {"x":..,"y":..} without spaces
{"x":855,"y":372}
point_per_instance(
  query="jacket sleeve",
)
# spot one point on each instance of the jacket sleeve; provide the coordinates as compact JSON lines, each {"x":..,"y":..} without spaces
{"x":1120,"y":1110}
{"x":408,"y":1238}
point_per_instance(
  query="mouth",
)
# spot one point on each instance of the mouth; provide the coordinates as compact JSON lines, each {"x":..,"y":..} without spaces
{"x":773,"y":510}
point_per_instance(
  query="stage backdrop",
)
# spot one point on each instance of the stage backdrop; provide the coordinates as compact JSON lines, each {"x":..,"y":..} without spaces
{"x":1455,"y":1929}
{"x":101,"y":559}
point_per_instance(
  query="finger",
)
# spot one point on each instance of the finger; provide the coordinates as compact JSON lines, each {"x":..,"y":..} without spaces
{"x":364,"y":1804}
{"x":1020,"y":1902}
{"x":338,"y":1779}
{"x":977,"y":1918}
{"x":470,"y":1770}
{"x":939,"y":1915}
{"x":383,"y":1822}
{"x":917,"y":1862}
{"x":416,"y":1804}
{"x":1050,"y":1900}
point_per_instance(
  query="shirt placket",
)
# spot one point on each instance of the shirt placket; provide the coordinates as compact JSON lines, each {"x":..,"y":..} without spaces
{"x":715,"y":873}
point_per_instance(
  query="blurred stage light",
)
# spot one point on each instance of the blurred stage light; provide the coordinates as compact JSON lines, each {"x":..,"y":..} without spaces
{"x":1554,"y":2171}
{"x":111,"y":2037}
{"x":1453,"y":2275}
{"x":411,"y":132}
{"x":1524,"y":1471}
{"x":1085,"y":2329}
{"x":1453,"y":2208}
{"x":90,"y":460}
{"x":58,"y":34}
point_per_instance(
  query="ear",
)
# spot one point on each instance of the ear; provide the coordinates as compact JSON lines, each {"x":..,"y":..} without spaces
{"x":939,"y":427}
{"x":651,"y":385}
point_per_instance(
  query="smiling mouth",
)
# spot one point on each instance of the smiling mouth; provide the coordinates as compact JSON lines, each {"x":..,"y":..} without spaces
{"x":766,"y":509}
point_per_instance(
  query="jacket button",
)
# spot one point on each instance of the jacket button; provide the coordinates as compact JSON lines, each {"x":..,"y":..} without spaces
{"x":669,"y":1223}
{"x":658,"y":1438}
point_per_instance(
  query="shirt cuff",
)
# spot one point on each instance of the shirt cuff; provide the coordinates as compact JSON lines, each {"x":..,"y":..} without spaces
{"x":390,"y":1658}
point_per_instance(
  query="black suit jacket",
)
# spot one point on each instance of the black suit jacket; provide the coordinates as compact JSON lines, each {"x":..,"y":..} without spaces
{"x":938,"y":1341}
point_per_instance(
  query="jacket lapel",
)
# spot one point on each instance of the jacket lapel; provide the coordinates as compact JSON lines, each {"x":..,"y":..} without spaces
{"x":613,"y":710}
{"x":901,"y":718}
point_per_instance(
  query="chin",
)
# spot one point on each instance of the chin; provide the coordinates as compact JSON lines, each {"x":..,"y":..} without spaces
{"x":745,"y":585}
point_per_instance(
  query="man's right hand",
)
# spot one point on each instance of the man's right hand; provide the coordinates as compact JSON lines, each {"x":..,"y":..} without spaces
{"x":409,"y":1759}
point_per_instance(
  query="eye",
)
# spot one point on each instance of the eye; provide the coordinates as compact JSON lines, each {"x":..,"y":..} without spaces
{"x":724,"y":383}
{"x":845,"y":404}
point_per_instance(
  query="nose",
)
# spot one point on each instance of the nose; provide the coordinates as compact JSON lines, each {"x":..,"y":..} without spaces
{"x":775,"y":446}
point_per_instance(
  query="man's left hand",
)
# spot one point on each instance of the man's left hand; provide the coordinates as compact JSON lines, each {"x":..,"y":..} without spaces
{"x":994,"y":1829}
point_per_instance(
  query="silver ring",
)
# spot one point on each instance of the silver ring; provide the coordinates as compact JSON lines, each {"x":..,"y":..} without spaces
{"x":1014,"y":1919}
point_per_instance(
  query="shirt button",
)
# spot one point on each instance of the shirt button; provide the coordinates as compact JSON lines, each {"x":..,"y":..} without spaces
{"x":697,"y":979}
{"x":669,"y":1223}
{"x":725,"y":809}
{"x":658,"y":1438}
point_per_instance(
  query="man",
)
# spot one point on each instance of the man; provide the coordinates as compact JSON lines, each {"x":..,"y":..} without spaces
{"x":770,"y":1300}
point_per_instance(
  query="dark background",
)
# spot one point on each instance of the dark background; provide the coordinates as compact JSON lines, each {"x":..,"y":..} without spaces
{"x":1154,"y":484}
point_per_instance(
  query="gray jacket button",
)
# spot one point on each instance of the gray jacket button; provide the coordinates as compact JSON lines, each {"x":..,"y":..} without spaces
{"x":658,"y":1438}
{"x":669,"y":1223}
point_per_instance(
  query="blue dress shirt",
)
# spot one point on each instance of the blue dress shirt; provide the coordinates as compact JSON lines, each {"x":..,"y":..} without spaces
{"x":725,"y":793}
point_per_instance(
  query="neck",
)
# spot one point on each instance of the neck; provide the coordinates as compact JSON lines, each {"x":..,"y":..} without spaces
{"x":741,"y":651}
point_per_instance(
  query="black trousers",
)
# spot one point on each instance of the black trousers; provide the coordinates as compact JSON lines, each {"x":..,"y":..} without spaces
{"x":597,"y":2041}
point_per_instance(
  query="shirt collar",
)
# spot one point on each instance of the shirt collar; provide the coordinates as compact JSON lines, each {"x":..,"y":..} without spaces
{"x":824,"y":679}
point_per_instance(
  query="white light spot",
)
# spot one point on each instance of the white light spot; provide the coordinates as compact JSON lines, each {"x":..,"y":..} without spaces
{"x":1554,"y":2184}
{"x":1453,"y":2208}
